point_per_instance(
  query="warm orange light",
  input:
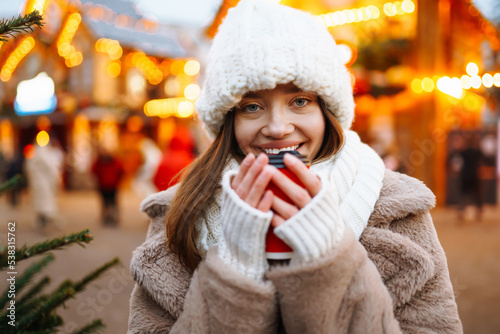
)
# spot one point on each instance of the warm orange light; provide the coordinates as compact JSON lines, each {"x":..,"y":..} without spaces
{"x":390,"y":9}
{"x":135,"y":123}
{"x":177,"y":67}
{"x":496,"y":79}
{"x":192,"y":91}
{"x":428,"y":85}
{"x":371,"y":12}
{"x":15,"y":58}
{"x":163,"y":108}
{"x":29,"y":151}
{"x":472,"y":69}
{"x":487,"y":80}
{"x":114,"y":69}
{"x":43,"y":123}
{"x":192,"y":67}
{"x":416,"y":86}
{"x":42,"y":138}
{"x":64,"y":48}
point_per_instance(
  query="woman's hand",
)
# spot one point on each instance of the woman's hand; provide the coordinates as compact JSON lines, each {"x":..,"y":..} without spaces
{"x":251,"y":181}
{"x":300,"y":196}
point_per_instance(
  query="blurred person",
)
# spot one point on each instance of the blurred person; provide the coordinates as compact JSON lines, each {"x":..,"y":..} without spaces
{"x":151,"y":156}
{"x":44,"y":170}
{"x":15,"y":167}
{"x":365,"y":255}
{"x":470,"y":182}
{"x":177,"y":156}
{"x":108,"y":171}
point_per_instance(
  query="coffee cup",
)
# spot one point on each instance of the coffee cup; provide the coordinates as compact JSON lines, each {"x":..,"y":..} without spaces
{"x":277,"y":249}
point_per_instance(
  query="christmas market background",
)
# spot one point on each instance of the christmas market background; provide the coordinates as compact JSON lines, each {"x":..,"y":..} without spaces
{"x":104,"y":75}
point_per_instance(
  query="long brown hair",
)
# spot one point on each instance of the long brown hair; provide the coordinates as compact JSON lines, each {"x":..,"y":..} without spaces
{"x":202,"y":178}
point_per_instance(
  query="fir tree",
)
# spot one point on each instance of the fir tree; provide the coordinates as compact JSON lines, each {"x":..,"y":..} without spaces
{"x":34,"y":310}
{"x":20,"y":24}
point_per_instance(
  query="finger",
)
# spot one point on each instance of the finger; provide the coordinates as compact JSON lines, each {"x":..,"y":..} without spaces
{"x":299,"y":196}
{"x":310,"y":181}
{"x":284,"y":209}
{"x":277,"y":220}
{"x":266,"y":202}
{"x":245,"y":165}
{"x":259,"y":186}
{"x":245,"y":185}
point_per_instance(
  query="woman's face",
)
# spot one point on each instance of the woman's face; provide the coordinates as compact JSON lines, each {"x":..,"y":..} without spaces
{"x":284,"y":118}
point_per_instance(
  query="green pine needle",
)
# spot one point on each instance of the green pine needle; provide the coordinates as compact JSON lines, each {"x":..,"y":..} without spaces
{"x":11,"y":183}
{"x":25,"y":278}
{"x":20,"y":24}
{"x":79,"y":286}
{"x":42,"y":247}
{"x":95,"y":327}
{"x":34,"y":290}
{"x":52,"y":302}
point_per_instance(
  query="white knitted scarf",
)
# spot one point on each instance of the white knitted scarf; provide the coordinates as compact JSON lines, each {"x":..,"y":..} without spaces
{"x":356,"y":174}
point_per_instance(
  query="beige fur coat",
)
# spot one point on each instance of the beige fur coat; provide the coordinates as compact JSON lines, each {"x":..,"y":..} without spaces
{"x":395,"y":279}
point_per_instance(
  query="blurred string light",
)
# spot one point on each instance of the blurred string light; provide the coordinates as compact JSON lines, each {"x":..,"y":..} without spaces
{"x":455,"y":86}
{"x":192,"y":67}
{"x":147,"y":66}
{"x":192,"y":91}
{"x":114,"y":50}
{"x":32,"y":5}
{"x":97,"y":12}
{"x":371,"y":12}
{"x":42,"y":138}
{"x":15,"y":58}
{"x":109,"y":46}
{"x":64,"y":48}
{"x":163,"y":108}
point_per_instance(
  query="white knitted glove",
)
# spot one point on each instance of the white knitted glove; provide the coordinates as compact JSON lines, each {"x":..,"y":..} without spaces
{"x":244,"y":228}
{"x":315,"y":229}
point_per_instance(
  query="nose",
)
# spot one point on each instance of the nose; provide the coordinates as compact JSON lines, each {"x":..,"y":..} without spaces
{"x":278,"y":126}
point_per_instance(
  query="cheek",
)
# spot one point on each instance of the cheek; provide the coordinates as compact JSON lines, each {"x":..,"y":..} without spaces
{"x":315,"y":127}
{"x":244,"y":133}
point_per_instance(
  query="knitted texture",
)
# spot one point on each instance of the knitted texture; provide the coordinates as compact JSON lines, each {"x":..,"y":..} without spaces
{"x":315,"y":229}
{"x":351,"y":183}
{"x":262,"y":44}
{"x":244,"y":228}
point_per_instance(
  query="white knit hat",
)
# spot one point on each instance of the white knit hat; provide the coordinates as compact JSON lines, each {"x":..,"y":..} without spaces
{"x":262,"y":44}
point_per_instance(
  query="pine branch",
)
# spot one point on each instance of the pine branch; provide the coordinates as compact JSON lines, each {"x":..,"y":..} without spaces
{"x":30,"y":305}
{"x":11,"y":183}
{"x":42,"y":247}
{"x":47,"y":322}
{"x":96,"y":325}
{"x":35,"y":289}
{"x":79,"y":286}
{"x":53,"y":301}
{"x":26,"y":277}
{"x":20,"y":24}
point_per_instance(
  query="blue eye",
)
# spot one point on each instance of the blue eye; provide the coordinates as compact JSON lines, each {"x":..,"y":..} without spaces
{"x":300,"y":102}
{"x":251,"y":108}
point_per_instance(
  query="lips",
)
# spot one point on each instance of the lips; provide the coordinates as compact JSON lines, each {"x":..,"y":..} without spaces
{"x":270,"y":151}
{"x":276,"y":148}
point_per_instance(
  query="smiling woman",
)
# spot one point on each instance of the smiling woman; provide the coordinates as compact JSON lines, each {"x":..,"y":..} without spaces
{"x":284,"y":118}
{"x":364,"y":256}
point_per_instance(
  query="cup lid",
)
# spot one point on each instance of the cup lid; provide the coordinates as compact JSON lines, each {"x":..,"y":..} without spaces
{"x":276,"y":160}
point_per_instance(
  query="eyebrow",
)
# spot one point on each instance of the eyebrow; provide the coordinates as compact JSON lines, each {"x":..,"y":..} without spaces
{"x":291,"y":90}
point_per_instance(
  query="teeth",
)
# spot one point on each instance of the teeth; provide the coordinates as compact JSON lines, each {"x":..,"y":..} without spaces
{"x":278,"y":150}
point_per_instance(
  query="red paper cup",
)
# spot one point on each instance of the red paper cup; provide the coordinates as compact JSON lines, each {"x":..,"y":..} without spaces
{"x":277,"y":249}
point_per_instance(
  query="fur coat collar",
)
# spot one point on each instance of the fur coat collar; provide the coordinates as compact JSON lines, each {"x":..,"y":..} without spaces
{"x":404,"y":266}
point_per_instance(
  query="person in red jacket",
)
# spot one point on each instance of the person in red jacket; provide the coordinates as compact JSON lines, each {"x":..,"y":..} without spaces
{"x":108,"y":171}
{"x":177,"y":156}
